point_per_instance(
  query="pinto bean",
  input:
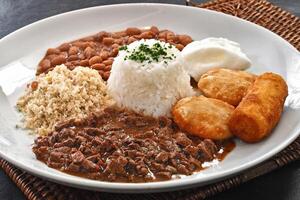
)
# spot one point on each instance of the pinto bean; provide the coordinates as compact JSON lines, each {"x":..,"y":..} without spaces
{"x":154,"y":30}
{"x":133,"y":31}
{"x":81,"y":45}
{"x":81,"y":56}
{"x":170,"y":36}
{"x":114,"y":52}
{"x":45,"y":64}
{"x":64,"y":54}
{"x":162,"y":35}
{"x":118,"y":41}
{"x":107,"y":62}
{"x":51,"y":51}
{"x":101,"y":73}
{"x":98,"y":66}
{"x":84,"y":62}
{"x":73,"y":50}
{"x":76,"y":63}
{"x":89,"y":52}
{"x":185,"y":39}
{"x":108,"y":41}
{"x":34,"y":85}
{"x":107,"y":68}
{"x":64,"y":47}
{"x":106,"y":75}
{"x":101,"y":35}
{"x":131,"y":39}
{"x":147,"y":35}
{"x":72,"y":58}
{"x":104,"y":55}
{"x":94,"y":60}
{"x":58,"y":60}
{"x":179,"y":46}
{"x":115,"y":46}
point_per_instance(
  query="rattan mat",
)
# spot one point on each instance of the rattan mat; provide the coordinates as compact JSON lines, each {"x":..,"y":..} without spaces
{"x":258,"y":11}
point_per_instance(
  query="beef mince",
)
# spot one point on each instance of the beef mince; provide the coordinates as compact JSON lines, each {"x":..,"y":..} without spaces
{"x":122,"y":146}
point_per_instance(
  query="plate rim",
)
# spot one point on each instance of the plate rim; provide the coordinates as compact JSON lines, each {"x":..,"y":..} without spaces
{"x":152,"y":186}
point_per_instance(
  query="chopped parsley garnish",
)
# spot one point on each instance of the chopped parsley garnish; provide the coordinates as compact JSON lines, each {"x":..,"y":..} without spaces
{"x":145,"y":53}
{"x":122,"y":48}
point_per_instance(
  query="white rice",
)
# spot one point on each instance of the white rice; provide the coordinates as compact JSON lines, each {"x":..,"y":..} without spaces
{"x":151,"y":89}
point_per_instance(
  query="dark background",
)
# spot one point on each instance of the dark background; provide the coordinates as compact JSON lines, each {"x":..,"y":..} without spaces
{"x":14,"y":14}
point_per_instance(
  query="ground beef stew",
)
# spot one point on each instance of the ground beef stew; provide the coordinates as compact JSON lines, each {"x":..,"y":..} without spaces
{"x":122,"y":146}
{"x":98,"y":51}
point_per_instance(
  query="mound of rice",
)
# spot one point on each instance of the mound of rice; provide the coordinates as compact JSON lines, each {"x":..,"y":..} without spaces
{"x":62,"y":94}
{"x":151,"y":88}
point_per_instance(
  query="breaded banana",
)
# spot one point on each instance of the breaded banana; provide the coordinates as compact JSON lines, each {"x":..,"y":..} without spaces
{"x":260,"y":110}
{"x":203,"y":117}
{"x":225,"y":84}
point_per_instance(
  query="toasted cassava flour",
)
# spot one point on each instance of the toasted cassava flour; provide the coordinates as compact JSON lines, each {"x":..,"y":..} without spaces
{"x":62,"y":94}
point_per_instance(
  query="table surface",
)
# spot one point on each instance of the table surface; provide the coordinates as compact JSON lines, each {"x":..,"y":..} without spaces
{"x":14,"y":14}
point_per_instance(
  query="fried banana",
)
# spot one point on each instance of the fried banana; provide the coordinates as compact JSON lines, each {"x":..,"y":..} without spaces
{"x":260,"y":110}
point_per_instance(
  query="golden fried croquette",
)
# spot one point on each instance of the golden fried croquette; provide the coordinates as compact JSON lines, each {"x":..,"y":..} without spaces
{"x":225,"y":84}
{"x":203,"y":117}
{"x":260,"y":110}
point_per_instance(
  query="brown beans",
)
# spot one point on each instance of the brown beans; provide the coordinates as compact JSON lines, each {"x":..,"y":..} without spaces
{"x":51,"y":51}
{"x":147,"y":35}
{"x":108,"y":41}
{"x":73,"y":57}
{"x":104,"y":55}
{"x":76,"y":63}
{"x":45,"y":64}
{"x":64,"y":54}
{"x":84,"y":62}
{"x":185,"y":39}
{"x":101,"y":35}
{"x":81,"y":56}
{"x":98,"y":66}
{"x":179,"y":46}
{"x":94,"y":60}
{"x":118,"y":41}
{"x":64,"y":47}
{"x":101,"y":73}
{"x":89,"y":52}
{"x":58,"y":60}
{"x":34,"y":85}
{"x":154,"y":30}
{"x":133,"y":31}
{"x":170,"y":36}
{"x":131,"y":39}
{"x":115,"y":46}
{"x":81,"y":45}
{"x":162,"y":35}
{"x":107,"y":68}
{"x":73,"y":50}
{"x":68,"y":64}
{"x":98,"y":51}
{"x":107,"y":62}
{"x":106,"y":75}
{"x":114,"y":52}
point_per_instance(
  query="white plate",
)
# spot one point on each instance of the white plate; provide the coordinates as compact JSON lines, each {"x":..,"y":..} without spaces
{"x":20,"y":52}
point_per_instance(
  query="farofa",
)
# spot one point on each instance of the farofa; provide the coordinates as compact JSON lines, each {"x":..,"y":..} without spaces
{"x":62,"y":94}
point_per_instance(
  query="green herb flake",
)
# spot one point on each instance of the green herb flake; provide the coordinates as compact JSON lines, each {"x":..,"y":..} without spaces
{"x":122,"y":48}
{"x":149,"y":54}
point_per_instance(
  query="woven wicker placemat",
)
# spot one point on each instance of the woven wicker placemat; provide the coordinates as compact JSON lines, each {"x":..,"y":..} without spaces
{"x":258,"y":11}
